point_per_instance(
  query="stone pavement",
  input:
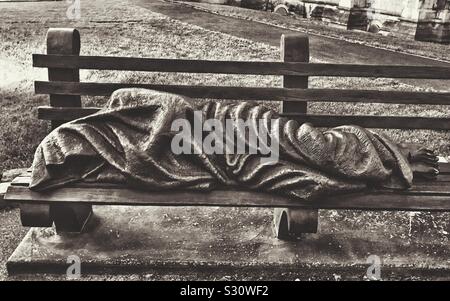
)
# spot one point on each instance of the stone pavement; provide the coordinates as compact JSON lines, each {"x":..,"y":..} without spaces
{"x":221,"y":241}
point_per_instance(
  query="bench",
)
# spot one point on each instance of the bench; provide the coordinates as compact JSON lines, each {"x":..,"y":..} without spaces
{"x":69,"y":208}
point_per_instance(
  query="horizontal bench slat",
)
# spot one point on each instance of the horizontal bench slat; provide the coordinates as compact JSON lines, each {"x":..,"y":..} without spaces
{"x":115,"y":196}
{"x":443,"y":177}
{"x":70,"y":113}
{"x":382,"y":122}
{"x":64,"y":113}
{"x":251,"y":93}
{"x":444,"y":168}
{"x":239,"y":67}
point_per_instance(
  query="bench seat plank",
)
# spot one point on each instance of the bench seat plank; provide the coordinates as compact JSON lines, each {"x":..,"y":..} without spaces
{"x":379,"y":200}
{"x":424,"y":195}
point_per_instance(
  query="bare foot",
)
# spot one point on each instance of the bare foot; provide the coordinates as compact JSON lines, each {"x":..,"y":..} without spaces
{"x":424,"y":162}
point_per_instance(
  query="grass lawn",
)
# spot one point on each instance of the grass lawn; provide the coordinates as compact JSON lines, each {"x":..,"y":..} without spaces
{"x":116,"y":27}
{"x":395,"y":43}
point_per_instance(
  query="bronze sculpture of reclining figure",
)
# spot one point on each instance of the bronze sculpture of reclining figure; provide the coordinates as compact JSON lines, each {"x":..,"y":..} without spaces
{"x":129,"y":142}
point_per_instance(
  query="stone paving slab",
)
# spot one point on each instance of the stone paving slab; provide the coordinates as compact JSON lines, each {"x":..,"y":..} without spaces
{"x":221,"y":241}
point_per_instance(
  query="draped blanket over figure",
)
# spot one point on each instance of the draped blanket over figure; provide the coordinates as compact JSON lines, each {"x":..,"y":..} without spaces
{"x":129,"y":142}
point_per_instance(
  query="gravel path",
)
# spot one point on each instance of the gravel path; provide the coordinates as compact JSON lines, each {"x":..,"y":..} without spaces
{"x":328,"y":49}
{"x":11,"y":233}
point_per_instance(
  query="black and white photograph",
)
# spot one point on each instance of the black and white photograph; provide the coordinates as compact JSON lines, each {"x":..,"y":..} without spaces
{"x":224,"y":146}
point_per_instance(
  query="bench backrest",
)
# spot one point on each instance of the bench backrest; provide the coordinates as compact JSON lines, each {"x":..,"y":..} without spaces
{"x":64,"y":87}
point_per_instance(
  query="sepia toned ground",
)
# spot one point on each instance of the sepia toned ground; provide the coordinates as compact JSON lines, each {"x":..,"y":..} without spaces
{"x":124,"y":28}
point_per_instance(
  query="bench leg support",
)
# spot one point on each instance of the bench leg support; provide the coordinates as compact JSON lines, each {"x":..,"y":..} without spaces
{"x":35,"y":215}
{"x":70,"y":217}
{"x":293,"y":222}
{"x":290,"y":223}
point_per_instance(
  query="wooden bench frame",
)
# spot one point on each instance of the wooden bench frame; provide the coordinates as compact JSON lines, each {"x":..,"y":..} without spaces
{"x":69,"y":208}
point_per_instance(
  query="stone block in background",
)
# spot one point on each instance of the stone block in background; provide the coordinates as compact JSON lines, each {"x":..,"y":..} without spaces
{"x":433,"y":32}
{"x":423,"y":20}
